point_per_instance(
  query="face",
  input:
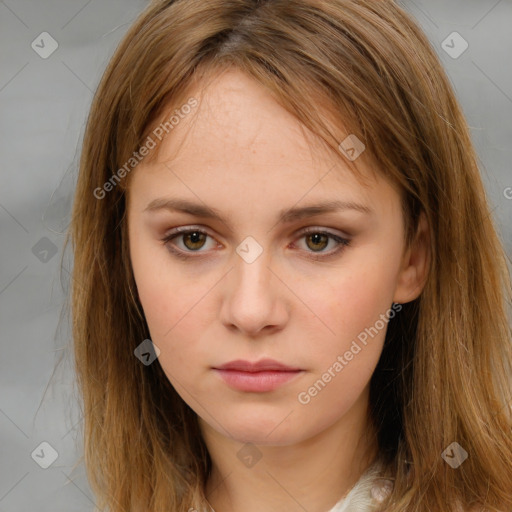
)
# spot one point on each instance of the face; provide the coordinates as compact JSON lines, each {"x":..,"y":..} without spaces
{"x":264,"y":277}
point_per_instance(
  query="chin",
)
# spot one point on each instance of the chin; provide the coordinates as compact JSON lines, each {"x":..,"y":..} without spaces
{"x":272,"y":432}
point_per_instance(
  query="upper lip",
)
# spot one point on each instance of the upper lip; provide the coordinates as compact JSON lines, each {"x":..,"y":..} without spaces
{"x":258,"y":366}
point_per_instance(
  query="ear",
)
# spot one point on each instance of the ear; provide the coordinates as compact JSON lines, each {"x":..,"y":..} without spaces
{"x":415,"y":265}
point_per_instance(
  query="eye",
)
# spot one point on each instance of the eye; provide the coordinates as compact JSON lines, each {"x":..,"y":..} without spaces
{"x":194,"y":239}
{"x":318,"y":240}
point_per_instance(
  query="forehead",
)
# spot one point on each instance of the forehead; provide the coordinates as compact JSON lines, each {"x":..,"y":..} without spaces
{"x":235,"y":119}
{"x":240,"y":141}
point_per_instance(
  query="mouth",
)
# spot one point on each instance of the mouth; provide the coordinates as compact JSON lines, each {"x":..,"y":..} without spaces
{"x":263,"y":365}
{"x":257,"y":377}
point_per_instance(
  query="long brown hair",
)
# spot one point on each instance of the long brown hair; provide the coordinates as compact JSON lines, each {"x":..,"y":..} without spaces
{"x":445,"y":372}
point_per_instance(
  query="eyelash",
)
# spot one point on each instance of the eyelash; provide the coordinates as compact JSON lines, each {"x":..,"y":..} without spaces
{"x":186,"y":255}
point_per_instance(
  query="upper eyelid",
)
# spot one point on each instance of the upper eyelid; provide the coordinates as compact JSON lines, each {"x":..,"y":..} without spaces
{"x":183,"y":230}
{"x":187,"y":229}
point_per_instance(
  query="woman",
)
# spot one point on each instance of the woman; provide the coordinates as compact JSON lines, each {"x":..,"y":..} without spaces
{"x":228,"y":143}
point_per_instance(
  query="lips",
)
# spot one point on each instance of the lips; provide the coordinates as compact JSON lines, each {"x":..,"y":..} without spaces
{"x":258,"y":377}
{"x":258,"y":366}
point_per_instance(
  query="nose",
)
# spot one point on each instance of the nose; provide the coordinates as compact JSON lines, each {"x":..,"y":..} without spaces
{"x":254,"y":298}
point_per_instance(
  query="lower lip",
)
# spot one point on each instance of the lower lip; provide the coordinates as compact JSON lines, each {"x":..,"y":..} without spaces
{"x":256,"y":381}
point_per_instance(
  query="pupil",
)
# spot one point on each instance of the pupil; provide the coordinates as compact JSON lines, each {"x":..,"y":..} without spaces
{"x":194,"y":238}
{"x":316,"y":237}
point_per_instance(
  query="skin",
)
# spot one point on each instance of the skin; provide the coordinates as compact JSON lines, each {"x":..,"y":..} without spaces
{"x":243,"y":154}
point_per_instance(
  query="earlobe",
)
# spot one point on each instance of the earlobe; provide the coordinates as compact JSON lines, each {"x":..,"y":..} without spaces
{"x":415,"y":265}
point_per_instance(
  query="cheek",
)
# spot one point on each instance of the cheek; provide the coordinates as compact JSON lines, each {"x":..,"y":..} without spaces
{"x":157,"y":286}
{"x":350,"y":299}
{"x":174,"y":321}
{"x":159,"y":283}
{"x":177,"y":309}
{"x":172,"y":304}
{"x":350,"y":303}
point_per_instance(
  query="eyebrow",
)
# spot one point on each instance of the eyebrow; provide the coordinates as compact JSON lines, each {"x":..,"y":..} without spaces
{"x":285,"y":216}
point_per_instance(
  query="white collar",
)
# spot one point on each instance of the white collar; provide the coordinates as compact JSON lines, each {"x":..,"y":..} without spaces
{"x":367,"y":493}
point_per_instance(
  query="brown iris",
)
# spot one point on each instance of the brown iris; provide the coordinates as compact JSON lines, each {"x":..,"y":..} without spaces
{"x":317,"y":237}
{"x":197,"y":239}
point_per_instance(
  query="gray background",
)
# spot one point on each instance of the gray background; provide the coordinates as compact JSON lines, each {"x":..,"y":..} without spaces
{"x":43,"y":106}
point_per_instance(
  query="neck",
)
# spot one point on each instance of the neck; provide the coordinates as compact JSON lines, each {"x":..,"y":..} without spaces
{"x":313,"y":474}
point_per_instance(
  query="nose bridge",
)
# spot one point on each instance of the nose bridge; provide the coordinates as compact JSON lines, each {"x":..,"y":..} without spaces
{"x":252,"y":275}
{"x":252,"y":295}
